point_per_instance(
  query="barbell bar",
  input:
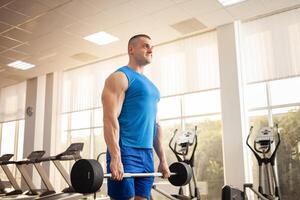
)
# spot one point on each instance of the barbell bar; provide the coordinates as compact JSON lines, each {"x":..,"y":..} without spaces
{"x":129,"y":175}
{"x":87,"y":175}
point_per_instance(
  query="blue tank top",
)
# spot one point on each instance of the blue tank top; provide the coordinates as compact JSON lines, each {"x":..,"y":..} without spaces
{"x":137,"y":119}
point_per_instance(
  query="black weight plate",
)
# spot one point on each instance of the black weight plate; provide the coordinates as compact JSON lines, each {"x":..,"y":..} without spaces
{"x":87,"y":176}
{"x":183,"y":174}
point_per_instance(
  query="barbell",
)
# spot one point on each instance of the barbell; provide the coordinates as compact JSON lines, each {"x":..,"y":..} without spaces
{"x":87,"y":175}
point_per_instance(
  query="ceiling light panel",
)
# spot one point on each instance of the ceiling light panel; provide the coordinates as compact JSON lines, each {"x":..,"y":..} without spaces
{"x":101,"y":38}
{"x":21,"y":65}
{"x":230,"y":2}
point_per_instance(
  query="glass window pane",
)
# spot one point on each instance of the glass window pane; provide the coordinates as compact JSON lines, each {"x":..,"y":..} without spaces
{"x":202,"y":103}
{"x":81,"y":119}
{"x":169,"y":108}
{"x":98,"y":117}
{"x":285,"y":91}
{"x":209,"y":156}
{"x":8,"y":137}
{"x":99,"y":143}
{"x":256,"y":95}
{"x":288,"y":155}
{"x":258,"y":119}
{"x":64,"y":122}
{"x":82,"y":136}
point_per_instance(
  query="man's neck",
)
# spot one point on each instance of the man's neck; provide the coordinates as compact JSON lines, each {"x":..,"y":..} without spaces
{"x":136,"y":68}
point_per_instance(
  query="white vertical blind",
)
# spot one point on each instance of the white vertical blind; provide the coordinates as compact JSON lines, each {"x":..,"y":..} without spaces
{"x":12,"y":102}
{"x":182,"y":66}
{"x":82,"y":87}
{"x":186,"y":65}
{"x":271,"y":47}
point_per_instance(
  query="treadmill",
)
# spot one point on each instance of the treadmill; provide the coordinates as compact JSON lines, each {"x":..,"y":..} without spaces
{"x":33,"y":190}
{"x":71,"y":153}
{"x":4,"y":161}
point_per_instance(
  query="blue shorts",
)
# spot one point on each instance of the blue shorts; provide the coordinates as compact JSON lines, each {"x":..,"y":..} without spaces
{"x":135,"y":160}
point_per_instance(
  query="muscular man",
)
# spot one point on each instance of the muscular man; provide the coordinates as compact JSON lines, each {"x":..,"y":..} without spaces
{"x":130,"y":128}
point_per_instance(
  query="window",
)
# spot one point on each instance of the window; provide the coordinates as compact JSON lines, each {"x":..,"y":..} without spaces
{"x":284,"y":91}
{"x":81,"y":119}
{"x":8,"y":137}
{"x":202,"y":103}
{"x":255,"y":95}
{"x":209,"y":156}
{"x":169,"y":107}
{"x":288,"y":161}
{"x":12,"y":141}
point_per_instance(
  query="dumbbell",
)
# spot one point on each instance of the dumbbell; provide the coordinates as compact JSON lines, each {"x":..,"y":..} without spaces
{"x":87,"y":175}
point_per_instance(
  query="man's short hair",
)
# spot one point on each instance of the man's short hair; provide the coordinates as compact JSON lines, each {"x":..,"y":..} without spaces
{"x":138,"y":36}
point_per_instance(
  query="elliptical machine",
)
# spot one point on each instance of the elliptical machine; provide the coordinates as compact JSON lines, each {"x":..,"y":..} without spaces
{"x":264,"y":148}
{"x":180,"y":147}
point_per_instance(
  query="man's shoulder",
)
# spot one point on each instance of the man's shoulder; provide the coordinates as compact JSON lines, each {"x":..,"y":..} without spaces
{"x":117,"y":79}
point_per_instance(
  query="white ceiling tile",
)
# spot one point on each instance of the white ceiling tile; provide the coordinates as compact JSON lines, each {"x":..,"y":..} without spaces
{"x":102,"y":5}
{"x":24,"y":48}
{"x":123,"y":12}
{"x":5,"y":2}
{"x":111,"y":49}
{"x":79,"y":43}
{"x":9,"y":17}
{"x":8,"y":43}
{"x":128,"y":29}
{"x":170,"y":16}
{"x":196,"y":7}
{"x":81,"y":29}
{"x":179,"y":1}
{"x":4,"y":27}
{"x":2,"y":48}
{"x":153,"y":5}
{"x":165,"y":34}
{"x":19,"y":34}
{"x":54,"y":3}
{"x":58,"y":62}
{"x":188,"y":26}
{"x":215,"y":18}
{"x":61,"y":50}
{"x":47,"y":23}
{"x":272,"y":5}
{"x":4,"y":60}
{"x":29,"y":7}
{"x":99,"y":21}
{"x":78,"y":9}
{"x":14,"y":55}
{"x":50,"y":41}
{"x":246,"y":9}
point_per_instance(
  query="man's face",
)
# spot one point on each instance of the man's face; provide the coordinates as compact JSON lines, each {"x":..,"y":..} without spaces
{"x":141,"y":51}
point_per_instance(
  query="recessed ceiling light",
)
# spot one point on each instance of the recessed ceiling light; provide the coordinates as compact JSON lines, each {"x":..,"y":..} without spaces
{"x":101,"y":38}
{"x":21,"y":65}
{"x":230,"y":2}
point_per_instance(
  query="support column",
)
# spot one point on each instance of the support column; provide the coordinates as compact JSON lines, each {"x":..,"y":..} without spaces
{"x":233,"y":113}
{"x":30,"y":118}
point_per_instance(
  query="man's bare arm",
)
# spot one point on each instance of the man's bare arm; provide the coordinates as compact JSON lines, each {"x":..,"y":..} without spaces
{"x":158,"y":146}
{"x":112,"y":99}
